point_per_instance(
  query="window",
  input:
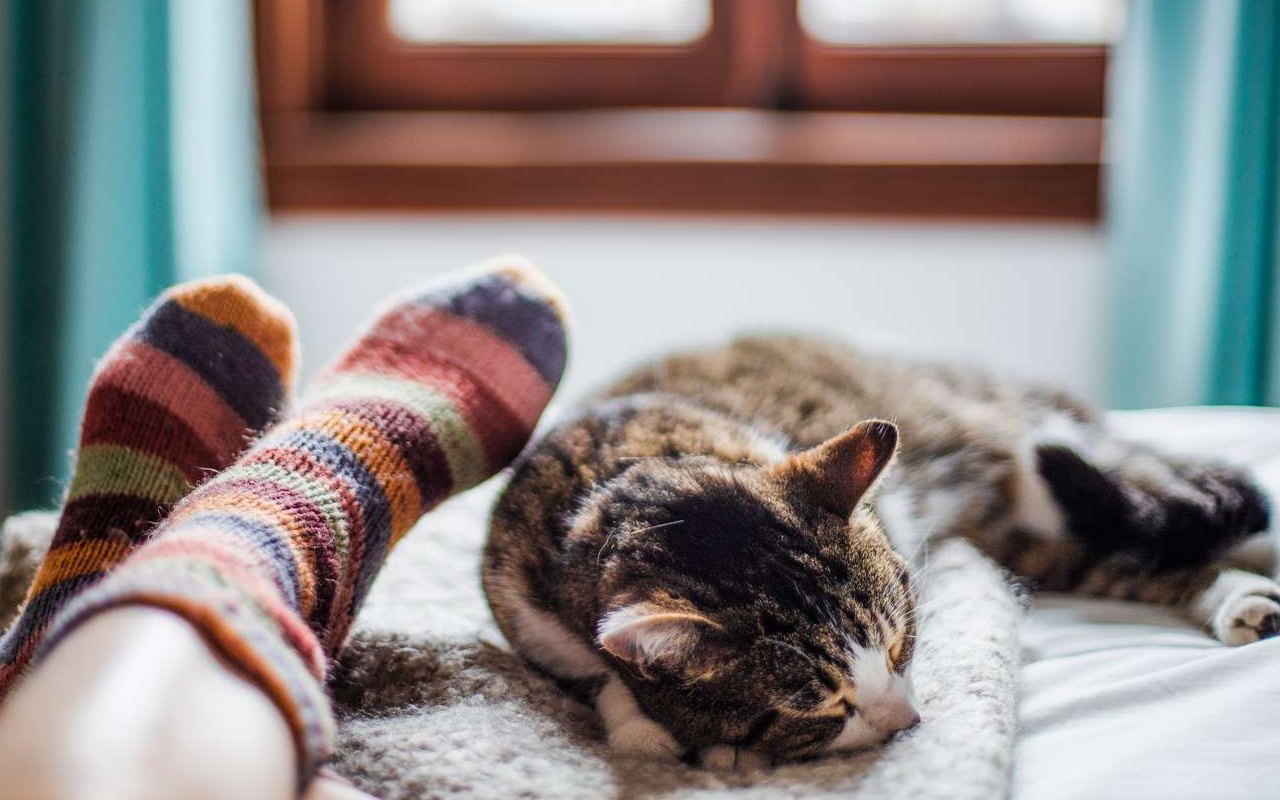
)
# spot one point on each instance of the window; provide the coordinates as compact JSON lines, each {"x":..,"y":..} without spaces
{"x":952,"y":107}
{"x":455,"y":54}
{"x":960,"y":56}
{"x":959,"y":22}
{"x":549,"y":22}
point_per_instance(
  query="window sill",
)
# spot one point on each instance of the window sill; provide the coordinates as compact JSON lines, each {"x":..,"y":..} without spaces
{"x":705,"y":160}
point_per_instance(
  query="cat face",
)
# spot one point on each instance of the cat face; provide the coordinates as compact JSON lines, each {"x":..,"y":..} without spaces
{"x":760,"y":608}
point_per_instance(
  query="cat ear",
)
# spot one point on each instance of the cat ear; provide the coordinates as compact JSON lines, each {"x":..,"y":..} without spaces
{"x":837,"y":473}
{"x":646,"y":635}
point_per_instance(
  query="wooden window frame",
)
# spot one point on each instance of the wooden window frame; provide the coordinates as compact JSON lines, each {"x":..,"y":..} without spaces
{"x":1018,"y":80}
{"x":354,"y":119}
{"x":371,"y":69}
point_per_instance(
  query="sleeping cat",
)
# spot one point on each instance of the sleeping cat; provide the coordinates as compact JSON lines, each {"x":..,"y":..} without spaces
{"x":712,"y":551}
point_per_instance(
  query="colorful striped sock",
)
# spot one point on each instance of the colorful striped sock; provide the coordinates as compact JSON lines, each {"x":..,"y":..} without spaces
{"x":175,"y":398}
{"x":272,"y":558}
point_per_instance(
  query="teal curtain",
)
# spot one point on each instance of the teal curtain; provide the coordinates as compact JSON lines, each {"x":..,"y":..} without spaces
{"x":131,"y":158}
{"x":1192,"y":207}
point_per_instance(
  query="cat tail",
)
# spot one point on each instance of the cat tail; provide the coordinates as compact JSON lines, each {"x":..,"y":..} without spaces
{"x":1188,"y":517}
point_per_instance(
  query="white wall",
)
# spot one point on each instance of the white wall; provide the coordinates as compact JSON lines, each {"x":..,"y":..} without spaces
{"x":1024,"y":299}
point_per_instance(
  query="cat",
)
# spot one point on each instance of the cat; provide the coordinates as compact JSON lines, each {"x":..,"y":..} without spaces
{"x":712,"y":549}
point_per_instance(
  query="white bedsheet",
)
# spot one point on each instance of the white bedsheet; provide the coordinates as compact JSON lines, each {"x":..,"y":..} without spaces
{"x":1121,"y":700}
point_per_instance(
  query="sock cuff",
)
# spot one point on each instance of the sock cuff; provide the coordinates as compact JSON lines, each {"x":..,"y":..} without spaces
{"x":261,"y":639}
{"x":176,"y":398}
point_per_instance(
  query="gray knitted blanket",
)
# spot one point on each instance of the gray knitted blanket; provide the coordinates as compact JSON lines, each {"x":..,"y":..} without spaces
{"x":433,"y":703}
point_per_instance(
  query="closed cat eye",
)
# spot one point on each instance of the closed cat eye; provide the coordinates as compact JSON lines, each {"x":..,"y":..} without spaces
{"x":808,"y":738}
{"x":842,"y":697}
{"x":797,"y":736}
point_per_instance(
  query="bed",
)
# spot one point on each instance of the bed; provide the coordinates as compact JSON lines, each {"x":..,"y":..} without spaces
{"x":1059,"y":697}
{"x":1125,"y":700}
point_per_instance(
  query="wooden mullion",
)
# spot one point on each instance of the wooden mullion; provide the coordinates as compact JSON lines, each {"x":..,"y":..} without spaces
{"x":289,"y":53}
{"x":763,"y":54}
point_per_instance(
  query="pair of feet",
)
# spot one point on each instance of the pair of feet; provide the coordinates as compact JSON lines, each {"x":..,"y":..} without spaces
{"x":271,"y":554}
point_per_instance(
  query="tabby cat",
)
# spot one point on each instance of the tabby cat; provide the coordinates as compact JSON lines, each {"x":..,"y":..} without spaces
{"x":712,"y":550}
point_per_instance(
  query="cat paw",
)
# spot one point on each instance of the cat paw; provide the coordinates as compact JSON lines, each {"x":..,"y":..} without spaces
{"x":1248,"y":618}
{"x":641,"y":737}
{"x":726,"y":757}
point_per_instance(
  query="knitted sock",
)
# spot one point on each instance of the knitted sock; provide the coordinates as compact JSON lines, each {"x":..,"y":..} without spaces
{"x":175,"y":398}
{"x":271,"y":558}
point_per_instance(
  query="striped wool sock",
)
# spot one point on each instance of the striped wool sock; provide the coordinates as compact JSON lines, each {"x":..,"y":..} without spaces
{"x":175,"y":398}
{"x":272,"y":558}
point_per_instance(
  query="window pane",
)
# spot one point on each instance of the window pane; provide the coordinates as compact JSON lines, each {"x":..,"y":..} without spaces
{"x":886,"y":22}
{"x":501,"y":22}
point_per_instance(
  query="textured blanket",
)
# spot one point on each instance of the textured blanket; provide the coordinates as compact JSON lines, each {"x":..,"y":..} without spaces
{"x":433,"y":703}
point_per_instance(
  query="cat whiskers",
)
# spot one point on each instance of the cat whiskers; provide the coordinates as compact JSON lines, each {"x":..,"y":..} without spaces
{"x":793,"y":648}
{"x":924,"y":540}
{"x":923,"y":608}
{"x":917,"y":577}
{"x":794,"y":695}
{"x":808,"y":659}
{"x":608,"y":540}
{"x":899,"y":606}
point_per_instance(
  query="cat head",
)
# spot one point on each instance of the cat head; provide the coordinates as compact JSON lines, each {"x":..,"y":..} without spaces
{"x":759,"y":607}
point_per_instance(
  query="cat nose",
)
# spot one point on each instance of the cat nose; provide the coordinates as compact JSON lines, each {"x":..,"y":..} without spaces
{"x":889,"y":704}
{"x":891,"y":717}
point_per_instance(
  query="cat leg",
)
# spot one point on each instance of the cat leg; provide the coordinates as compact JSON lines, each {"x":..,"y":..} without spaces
{"x":728,"y":757}
{"x":1239,"y":607}
{"x":630,"y":731}
{"x":544,"y":640}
